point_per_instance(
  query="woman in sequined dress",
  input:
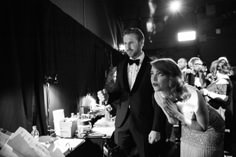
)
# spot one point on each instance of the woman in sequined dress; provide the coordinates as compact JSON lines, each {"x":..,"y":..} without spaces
{"x":202,"y":131}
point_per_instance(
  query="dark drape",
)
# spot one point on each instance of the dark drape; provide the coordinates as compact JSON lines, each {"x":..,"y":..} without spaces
{"x":21,"y":67}
{"x":40,"y":40}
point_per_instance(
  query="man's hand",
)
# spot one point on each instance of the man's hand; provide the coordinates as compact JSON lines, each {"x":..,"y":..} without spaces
{"x":153,"y":137}
{"x":103,"y":96}
{"x":188,"y":71}
{"x":109,"y":108}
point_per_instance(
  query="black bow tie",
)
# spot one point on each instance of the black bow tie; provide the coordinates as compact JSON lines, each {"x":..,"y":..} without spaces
{"x":133,"y":61}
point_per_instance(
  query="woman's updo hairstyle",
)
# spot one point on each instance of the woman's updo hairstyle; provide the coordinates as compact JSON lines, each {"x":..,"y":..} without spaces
{"x":169,"y":68}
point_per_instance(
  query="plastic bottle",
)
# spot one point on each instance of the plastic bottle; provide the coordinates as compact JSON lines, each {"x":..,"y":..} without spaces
{"x":83,"y":127}
{"x":35,"y":132}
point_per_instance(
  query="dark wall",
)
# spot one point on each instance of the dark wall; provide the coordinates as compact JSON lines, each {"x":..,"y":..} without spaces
{"x":95,"y":15}
{"x":209,"y":45}
{"x":215,"y":23}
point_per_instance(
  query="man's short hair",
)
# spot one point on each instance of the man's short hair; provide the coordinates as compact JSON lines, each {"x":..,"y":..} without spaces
{"x":192,"y":61}
{"x":182,"y":58}
{"x":136,"y":31}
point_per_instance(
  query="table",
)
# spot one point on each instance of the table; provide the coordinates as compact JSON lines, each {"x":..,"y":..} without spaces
{"x":66,"y":146}
{"x":103,"y":127}
{"x":93,"y":144}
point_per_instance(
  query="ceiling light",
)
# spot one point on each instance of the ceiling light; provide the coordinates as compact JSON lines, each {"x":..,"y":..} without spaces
{"x":187,"y":36}
{"x":175,"y":6}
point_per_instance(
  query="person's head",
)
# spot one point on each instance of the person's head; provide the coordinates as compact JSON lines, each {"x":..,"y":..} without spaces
{"x":224,"y":67}
{"x":196,"y":64}
{"x":223,"y":59}
{"x":167,"y":77}
{"x":182,"y":63}
{"x":133,"y":40}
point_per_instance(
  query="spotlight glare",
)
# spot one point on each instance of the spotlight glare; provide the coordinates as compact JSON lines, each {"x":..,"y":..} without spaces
{"x":121,"y":47}
{"x":175,"y":6}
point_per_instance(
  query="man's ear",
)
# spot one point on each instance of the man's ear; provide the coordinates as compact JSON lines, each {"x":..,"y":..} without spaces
{"x":142,"y":43}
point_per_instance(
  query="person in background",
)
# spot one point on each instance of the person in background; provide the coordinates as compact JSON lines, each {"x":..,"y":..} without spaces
{"x":202,"y":132}
{"x":138,"y":123}
{"x":183,"y":65}
{"x":211,"y":76}
{"x":197,"y":75}
{"x":226,"y":61}
{"x":219,"y":92}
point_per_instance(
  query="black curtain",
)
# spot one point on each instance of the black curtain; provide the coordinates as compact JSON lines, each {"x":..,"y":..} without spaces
{"x":41,"y":40}
{"x":21,"y":66}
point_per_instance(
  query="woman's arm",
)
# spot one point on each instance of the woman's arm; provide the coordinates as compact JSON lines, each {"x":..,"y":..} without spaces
{"x":218,"y":90}
{"x":202,"y":115}
{"x":214,"y":95}
{"x":201,"y":112}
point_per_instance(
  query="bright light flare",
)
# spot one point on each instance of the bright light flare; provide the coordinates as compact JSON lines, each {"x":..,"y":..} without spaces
{"x":175,"y":6}
{"x":150,"y":26}
{"x":187,"y":36}
{"x":122,"y":47}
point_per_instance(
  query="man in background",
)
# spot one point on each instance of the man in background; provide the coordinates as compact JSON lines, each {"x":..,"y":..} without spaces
{"x":183,"y":65}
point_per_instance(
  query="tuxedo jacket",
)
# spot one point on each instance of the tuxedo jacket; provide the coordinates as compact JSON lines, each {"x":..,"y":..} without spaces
{"x":138,"y":101}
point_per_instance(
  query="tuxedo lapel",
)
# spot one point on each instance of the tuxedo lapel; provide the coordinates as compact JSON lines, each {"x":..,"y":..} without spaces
{"x":125,"y":75}
{"x":140,"y":74}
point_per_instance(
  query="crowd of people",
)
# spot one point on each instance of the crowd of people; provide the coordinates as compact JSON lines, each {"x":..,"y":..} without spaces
{"x":214,"y":84}
{"x":152,"y":96}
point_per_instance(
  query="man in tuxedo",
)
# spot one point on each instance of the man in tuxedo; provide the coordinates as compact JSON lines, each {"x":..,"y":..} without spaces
{"x":138,"y":121}
{"x":196,"y":75}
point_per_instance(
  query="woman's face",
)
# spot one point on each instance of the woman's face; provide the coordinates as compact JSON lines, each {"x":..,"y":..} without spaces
{"x":160,"y":82}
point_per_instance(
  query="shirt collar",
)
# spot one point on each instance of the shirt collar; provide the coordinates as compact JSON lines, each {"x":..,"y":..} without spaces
{"x":141,"y":57}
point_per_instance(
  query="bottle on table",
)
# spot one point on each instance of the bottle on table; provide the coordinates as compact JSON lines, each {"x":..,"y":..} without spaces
{"x":35,"y":132}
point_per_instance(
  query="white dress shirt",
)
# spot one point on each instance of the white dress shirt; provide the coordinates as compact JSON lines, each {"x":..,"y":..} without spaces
{"x":133,"y":70}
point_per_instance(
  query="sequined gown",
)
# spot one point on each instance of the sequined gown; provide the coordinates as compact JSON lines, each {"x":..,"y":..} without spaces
{"x":209,"y":143}
{"x":204,"y":144}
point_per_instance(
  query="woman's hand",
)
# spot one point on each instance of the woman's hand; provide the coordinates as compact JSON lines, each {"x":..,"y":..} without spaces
{"x":171,"y":112}
{"x":171,"y":108}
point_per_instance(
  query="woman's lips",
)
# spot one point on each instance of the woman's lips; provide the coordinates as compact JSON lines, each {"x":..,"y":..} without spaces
{"x":154,"y":84}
